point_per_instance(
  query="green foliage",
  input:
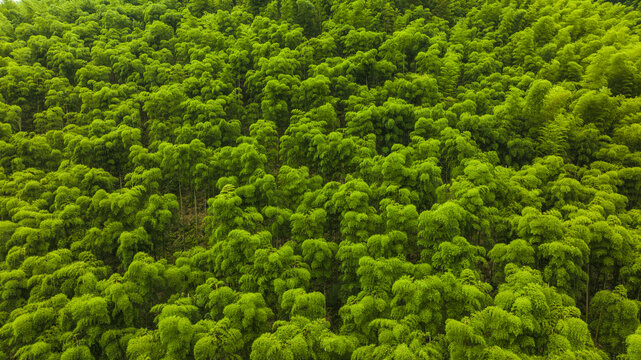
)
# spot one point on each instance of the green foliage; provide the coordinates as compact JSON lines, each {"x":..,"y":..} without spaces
{"x":315,"y":179}
{"x":613,"y":318}
{"x":633,"y":346}
{"x":250,"y":315}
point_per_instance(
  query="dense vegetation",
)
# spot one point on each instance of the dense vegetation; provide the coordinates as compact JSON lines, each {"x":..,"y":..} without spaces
{"x":320,"y":179}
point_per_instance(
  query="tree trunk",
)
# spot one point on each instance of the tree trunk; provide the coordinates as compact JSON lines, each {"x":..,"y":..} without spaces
{"x":325,"y":295}
{"x":180,"y":197}
{"x":598,"y":327}
{"x":195,"y":208}
{"x":587,"y":295}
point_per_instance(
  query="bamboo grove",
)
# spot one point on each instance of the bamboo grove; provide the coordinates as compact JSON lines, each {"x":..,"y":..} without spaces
{"x":320,"y":179}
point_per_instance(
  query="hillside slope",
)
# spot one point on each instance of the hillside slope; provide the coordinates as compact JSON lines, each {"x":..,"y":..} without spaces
{"x":320,"y":179}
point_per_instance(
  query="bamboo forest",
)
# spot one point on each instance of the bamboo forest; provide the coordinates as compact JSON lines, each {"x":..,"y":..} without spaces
{"x":320,"y":179}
